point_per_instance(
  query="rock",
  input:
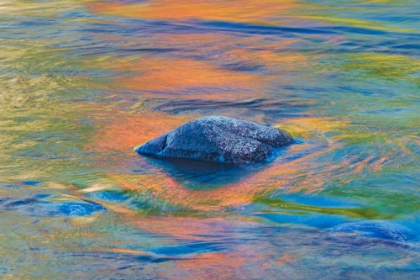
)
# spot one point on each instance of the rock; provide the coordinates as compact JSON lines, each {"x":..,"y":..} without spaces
{"x":218,"y":139}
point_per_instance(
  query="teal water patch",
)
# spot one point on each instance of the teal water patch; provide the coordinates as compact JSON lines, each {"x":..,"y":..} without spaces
{"x":190,"y":248}
{"x":111,"y":196}
{"x":318,"y":221}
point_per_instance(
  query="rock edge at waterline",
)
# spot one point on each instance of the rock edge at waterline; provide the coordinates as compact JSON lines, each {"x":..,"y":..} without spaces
{"x":218,"y":139}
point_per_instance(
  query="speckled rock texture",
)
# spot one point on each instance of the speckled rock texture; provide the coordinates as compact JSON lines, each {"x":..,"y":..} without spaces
{"x":218,"y":139}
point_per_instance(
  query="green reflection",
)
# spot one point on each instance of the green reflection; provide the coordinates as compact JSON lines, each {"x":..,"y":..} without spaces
{"x":348,"y":212}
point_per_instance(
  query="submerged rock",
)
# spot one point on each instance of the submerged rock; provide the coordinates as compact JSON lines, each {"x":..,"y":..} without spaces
{"x":218,"y":139}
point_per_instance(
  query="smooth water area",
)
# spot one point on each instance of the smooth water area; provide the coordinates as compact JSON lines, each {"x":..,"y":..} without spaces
{"x":83,"y":82}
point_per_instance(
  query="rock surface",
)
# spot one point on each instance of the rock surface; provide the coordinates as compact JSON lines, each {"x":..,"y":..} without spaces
{"x":218,"y":139}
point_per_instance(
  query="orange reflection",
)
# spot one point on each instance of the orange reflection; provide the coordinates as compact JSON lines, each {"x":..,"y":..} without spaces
{"x":126,"y":131}
{"x":211,"y":78}
{"x":227,"y":265}
{"x":242,"y":10}
{"x":181,"y":227}
{"x":246,"y":262}
{"x":135,"y":129}
{"x":174,"y":74}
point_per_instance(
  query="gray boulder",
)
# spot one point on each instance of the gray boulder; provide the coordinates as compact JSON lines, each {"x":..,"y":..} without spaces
{"x":218,"y":139}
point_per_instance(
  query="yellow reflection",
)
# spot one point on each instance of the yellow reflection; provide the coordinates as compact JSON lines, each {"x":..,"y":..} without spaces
{"x":37,"y":8}
{"x":358,"y":23}
{"x":307,"y":127}
{"x":389,"y":66}
{"x":119,"y":250}
{"x":83,"y":221}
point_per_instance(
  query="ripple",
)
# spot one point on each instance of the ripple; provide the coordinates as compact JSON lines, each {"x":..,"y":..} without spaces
{"x":375,"y":229}
{"x":39,"y":206}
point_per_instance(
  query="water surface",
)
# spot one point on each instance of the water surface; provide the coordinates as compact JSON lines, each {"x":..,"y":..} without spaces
{"x":82,"y":82}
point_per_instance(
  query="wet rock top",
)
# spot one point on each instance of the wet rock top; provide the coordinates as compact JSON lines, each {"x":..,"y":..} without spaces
{"x":218,"y":139}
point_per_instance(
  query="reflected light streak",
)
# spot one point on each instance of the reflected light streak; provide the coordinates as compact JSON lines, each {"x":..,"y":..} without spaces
{"x":243,"y":10}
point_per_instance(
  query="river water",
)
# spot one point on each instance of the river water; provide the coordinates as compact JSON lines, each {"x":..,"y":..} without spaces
{"x":83,"y":82}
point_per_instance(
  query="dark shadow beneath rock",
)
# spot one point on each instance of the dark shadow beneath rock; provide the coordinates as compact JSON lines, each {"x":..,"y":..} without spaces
{"x":203,"y":175}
